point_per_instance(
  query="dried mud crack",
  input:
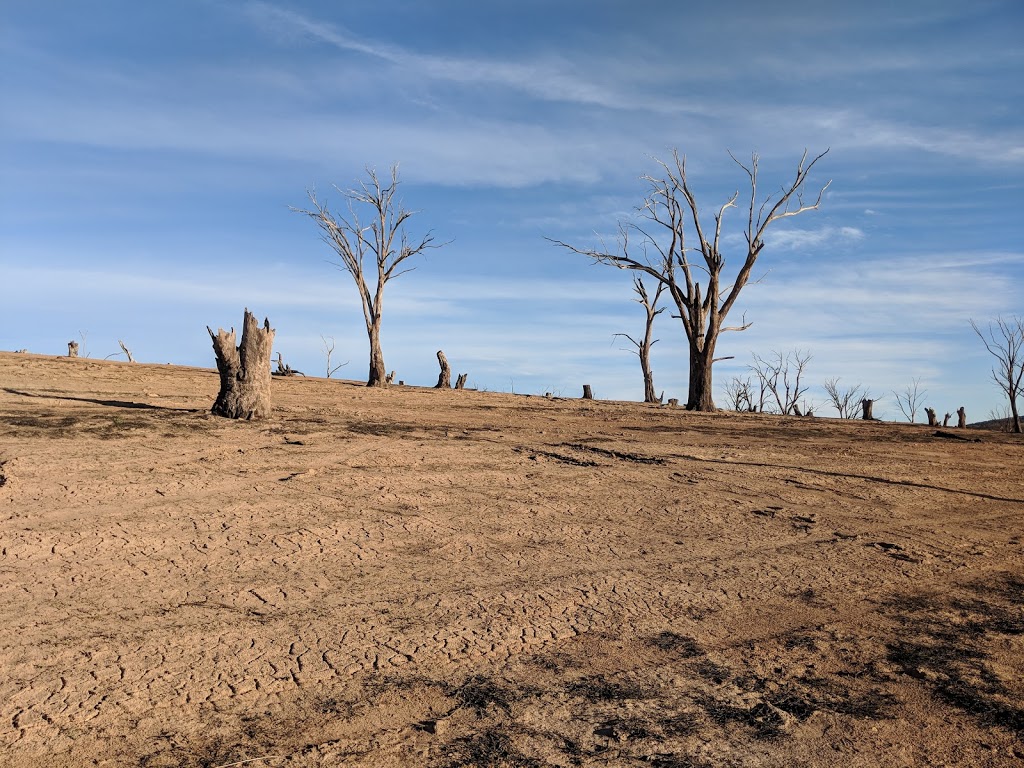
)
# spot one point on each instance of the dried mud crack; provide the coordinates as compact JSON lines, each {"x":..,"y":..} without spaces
{"x":472,"y":579}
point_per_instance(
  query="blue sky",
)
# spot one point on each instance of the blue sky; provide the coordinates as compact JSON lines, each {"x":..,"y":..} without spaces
{"x":149,"y":153}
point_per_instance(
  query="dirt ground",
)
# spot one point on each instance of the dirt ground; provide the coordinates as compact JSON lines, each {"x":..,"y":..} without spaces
{"x":415,"y":577}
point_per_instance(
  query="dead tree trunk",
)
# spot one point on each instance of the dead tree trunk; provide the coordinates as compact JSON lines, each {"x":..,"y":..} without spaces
{"x":244,"y":370}
{"x":961,"y":421}
{"x":444,"y":379}
{"x":460,"y":383}
{"x":72,"y":349}
{"x":932,"y":420}
{"x":378,"y":376}
{"x":390,"y":378}
{"x":867,"y":404}
{"x":127,"y":352}
{"x":587,"y":393}
{"x":946,"y":418}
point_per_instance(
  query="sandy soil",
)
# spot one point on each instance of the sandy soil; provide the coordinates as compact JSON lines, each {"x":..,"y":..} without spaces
{"x":419,"y":577}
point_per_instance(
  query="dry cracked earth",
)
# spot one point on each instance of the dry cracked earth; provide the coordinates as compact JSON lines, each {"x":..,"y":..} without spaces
{"x":415,"y":577}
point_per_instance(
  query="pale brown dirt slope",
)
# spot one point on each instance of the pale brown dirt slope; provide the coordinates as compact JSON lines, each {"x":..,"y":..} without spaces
{"x":419,"y":577}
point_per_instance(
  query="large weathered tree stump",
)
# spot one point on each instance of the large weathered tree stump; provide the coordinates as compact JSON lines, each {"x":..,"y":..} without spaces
{"x":933,"y":421}
{"x":961,"y":421}
{"x":867,"y":405}
{"x":444,"y":379}
{"x":587,"y":393}
{"x":72,"y":349}
{"x":244,"y":370}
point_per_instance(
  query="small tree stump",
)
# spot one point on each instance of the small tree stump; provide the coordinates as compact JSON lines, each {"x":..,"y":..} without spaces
{"x":444,"y":379}
{"x":244,"y":370}
{"x":72,"y":349}
{"x":283,"y":369}
{"x":673,"y":402}
{"x":866,"y":405}
{"x":932,"y":420}
{"x":961,"y":420}
{"x":587,"y":393}
{"x":460,"y":383}
{"x":946,"y":418}
{"x":390,"y":378}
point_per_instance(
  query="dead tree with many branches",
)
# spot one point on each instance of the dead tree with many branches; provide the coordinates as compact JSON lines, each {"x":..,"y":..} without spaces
{"x":643,"y":346}
{"x":381,"y":239}
{"x":1005,"y":342}
{"x":669,"y":210}
{"x":910,"y":399}
{"x":782,"y":376}
{"x":739,"y":395}
{"x":845,"y":401}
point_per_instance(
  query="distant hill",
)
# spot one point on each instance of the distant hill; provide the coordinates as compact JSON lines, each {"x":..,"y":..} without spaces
{"x":994,"y":425}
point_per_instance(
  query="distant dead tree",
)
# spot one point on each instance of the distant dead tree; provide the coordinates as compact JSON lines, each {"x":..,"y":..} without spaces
{"x":444,"y":379}
{"x":782,"y":377}
{"x":961,"y":418}
{"x":867,"y":406}
{"x":739,"y":395}
{"x":124,"y":351}
{"x":910,"y":399}
{"x":933,"y":419}
{"x":668,"y":211}
{"x":1005,"y":342}
{"x":382,"y":238}
{"x":643,"y":347}
{"x":328,"y":347}
{"x":244,"y":370}
{"x":283,"y":369}
{"x":75,"y":349}
{"x":845,"y":401}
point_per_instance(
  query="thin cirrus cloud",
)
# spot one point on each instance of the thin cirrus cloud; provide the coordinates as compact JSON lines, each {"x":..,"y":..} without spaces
{"x":549,"y":79}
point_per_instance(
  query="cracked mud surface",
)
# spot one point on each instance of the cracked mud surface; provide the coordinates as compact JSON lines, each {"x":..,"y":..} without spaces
{"x":419,"y":577}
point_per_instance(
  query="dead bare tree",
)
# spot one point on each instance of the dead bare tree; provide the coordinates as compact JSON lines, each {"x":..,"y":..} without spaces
{"x":244,"y":370}
{"x":739,"y":395}
{"x":444,"y":378}
{"x":845,"y":401}
{"x":283,"y":369}
{"x":670,"y":207}
{"x":910,"y":399}
{"x":643,"y":347}
{"x":384,"y":240}
{"x":782,"y":376}
{"x":1005,"y":342}
{"x":328,"y":347}
{"x":933,"y":419}
{"x":867,"y":404}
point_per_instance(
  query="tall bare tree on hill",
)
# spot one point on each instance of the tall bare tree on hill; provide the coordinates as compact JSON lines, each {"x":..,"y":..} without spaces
{"x":382,"y":238}
{"x":1005,"y":342}
{"x":644,"y":345}
{"x":669,"y":210}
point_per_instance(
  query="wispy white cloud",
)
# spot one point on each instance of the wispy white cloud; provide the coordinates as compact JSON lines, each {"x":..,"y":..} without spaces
{"x":550,"y":78}
{"x":802,"y":239}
